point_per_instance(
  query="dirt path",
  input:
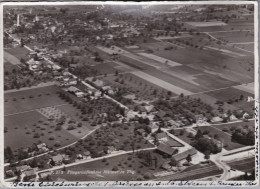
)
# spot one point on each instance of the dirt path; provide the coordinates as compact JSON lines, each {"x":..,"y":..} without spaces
{"x":32,"y":87}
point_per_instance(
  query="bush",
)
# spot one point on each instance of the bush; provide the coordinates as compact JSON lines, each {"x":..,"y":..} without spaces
{"x":147,"y":175}
{"x":115,"y":168}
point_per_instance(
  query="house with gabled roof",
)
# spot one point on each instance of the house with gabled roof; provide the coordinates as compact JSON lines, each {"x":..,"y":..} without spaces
{"x":166,"y":149}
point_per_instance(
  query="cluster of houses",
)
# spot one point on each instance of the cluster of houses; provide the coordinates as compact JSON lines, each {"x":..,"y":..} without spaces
{"x":169,"y":149}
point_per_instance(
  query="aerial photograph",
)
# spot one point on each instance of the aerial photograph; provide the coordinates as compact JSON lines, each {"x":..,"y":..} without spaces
{"x":129,"y":92}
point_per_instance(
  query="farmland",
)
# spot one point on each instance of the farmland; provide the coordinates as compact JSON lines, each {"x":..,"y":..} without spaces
{"x":245,"y":165}
{"x":26,"y":129}
{"x":26,"y":100}
{"x":17,"y":52}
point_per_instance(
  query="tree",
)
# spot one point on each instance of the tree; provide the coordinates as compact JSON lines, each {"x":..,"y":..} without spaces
{"x":207,"y":155}
{"x":188,"y":158}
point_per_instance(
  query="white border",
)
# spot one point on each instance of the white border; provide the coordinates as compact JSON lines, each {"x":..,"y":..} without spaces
{"x":137,"y":183}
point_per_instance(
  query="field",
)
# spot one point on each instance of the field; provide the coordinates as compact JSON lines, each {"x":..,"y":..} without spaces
{"x":234,"y":36}
{"x":124,"y":163}
{"x":15,"y":54}
{"x":233,"y":95}
{"x":245,"y":165}
{"x":160,"y":59}
{"x":225,"y":138}
{"x":22,"y":129}
{"x":206,"y":24}
{"x":23,"y":110}
{"x":135,"y":84}
{"x":31,"y":99}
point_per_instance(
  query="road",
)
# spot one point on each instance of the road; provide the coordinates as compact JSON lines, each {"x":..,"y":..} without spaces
{"x":87,"y":161}
{"x":181,"y":175}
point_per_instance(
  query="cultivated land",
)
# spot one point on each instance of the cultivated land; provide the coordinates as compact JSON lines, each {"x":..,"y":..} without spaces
{"x":23,"y":128}
{"x":189,"y":70}
{"x":26,"y":100}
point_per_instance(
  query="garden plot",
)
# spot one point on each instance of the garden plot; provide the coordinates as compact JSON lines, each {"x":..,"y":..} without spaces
{"x":160,"y":59}
{"x":206,"y":24}
{"x":161,"y":83}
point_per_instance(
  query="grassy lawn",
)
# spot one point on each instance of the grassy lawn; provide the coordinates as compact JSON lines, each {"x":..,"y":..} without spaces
{"x":31,"y":99}
{"x":225,"y":138}
{"x":129,"y":162}
{"x":23,"y":127}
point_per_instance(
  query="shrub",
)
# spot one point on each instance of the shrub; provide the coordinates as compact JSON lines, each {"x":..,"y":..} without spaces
{"x":115,"y":168}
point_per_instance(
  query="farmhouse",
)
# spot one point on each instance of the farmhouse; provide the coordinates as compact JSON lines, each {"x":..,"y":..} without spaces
{"x":232,"y":118}
{"x":23,"y":168}
{"x":30,"y":174}
{"x":42,"y":147}
{"x":57,"y":160}
{"x":180,"y":156}
{"x":216,"y":120}
{"x":164,"y":149}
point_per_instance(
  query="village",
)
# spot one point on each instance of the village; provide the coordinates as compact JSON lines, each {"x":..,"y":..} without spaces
{"x":93,"y":107}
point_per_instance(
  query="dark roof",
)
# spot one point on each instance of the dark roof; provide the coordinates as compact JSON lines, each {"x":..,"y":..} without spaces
{"x":173,"y":143}
{"x":183,"y":155}
{"x":165,"y":149}
{"x":160,"y":113}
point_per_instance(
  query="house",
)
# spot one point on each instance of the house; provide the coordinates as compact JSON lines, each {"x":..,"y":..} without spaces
{"x":42,"y":147}
{"x":160,"y":114}
{"x":181,"y":156}
{"x":97,"y":94}
{"x":141,"y":132}
{"x":79,"y":94}
{"x":23,"y":168}
{"x":246,"y":115}
{"x":98,"y":83}
{"x":87,"y":154}
{"x":30,"y":174}
{"x":166,"y":149}
{"x":166,"y":165}
{"x":73,"y":81}
{"x":110,"y":149}
{"x":79,"y":156}
{"x":216,"y":119}
{"x":57,"y":160}
{"x":73,"y":89}
{"x":150,"y":108}
{"x":233,"y":118}
{"x":9,"y":173}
